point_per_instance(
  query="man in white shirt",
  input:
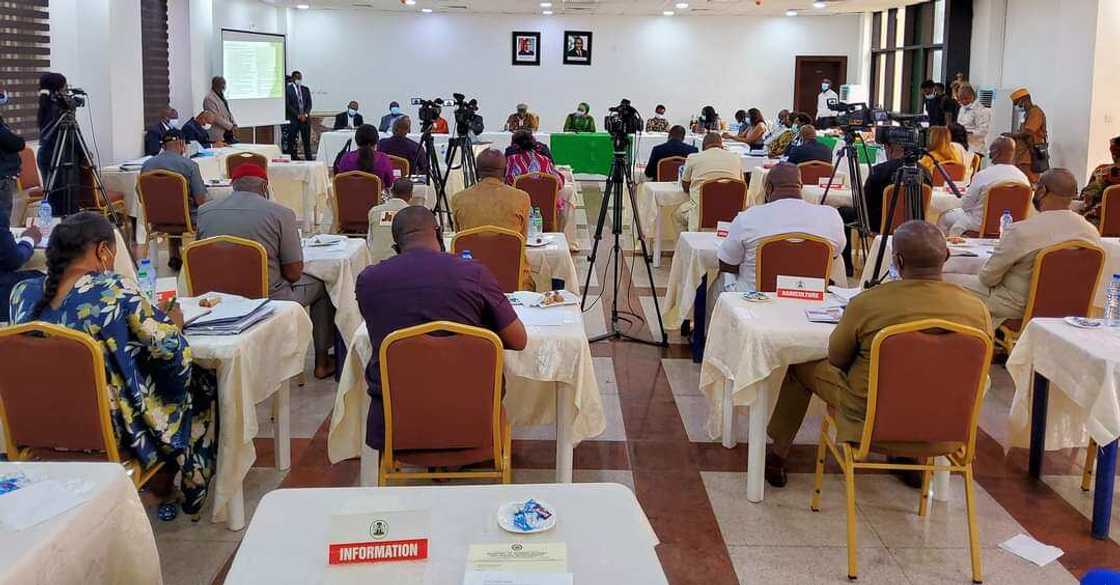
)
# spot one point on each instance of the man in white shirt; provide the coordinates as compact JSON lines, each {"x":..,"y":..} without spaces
{"x":379,"y":240}
{"x":784,"y":212}
{"x":971,"y":212}
{"x":826,"y":116}
{"x":975,"y":118}
{"x":713,"y":162}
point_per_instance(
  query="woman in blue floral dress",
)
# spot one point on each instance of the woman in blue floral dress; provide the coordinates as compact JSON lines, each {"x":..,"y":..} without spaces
{"x":162,"y":407}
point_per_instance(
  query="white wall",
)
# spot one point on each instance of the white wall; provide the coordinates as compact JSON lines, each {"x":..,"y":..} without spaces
{"x":1104,"y":113}
{"x":683,"y":62}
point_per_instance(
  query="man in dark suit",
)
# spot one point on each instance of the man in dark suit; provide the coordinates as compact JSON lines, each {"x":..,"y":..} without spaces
{"x":153,"y":137}
{"x":14,"y":253}
{"x":674,"y":146}
{"x":297,"y":101}
{"x":400,"y":145}
{"x":197,"y":129}
{"x":809,"y":149}
{"x":350,"y":118}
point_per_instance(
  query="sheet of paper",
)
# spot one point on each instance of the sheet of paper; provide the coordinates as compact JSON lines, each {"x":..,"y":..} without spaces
{"x":552,"y":317}
{"x":1032,"y":550}
{"x":845,"y":294}
{"x":37,"y":503}
{"x":507,"y":578}
{"x":519,"y":557}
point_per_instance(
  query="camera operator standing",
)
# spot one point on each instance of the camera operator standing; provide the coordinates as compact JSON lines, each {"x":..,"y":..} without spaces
{"x":10,"y":147}
{"x":50,"y":110}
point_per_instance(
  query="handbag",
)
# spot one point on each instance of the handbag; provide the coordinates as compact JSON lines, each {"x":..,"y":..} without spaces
{"x":1040,"y":157}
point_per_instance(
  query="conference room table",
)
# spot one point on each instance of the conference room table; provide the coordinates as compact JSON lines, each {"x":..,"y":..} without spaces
{"x":608,"y":538}
{"x":552,"y":381}
{"x":1083,"y":366}
{"x":331,"y":143}
{"x":75,"y":524}
{"x":338,"y":266}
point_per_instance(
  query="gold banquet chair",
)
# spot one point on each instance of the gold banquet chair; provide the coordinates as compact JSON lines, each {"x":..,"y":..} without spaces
{"x":226,"y":264}
{"x":355,"y":193}
{"x":60,"y":413}
{"x":499,"y":249}
{"x":668,"y":168}
{"x":792,"y":254}
{"x":721,"y":200}
{"x":1014,"y":197}
{"x":924,"y":398}
{"x":813,"y":171}
{"x":165,"y":199}
{"x":426,"y":426}
{"x":1110,"y":212}
{"x":400,"y":165}
{"x":239,"y":158}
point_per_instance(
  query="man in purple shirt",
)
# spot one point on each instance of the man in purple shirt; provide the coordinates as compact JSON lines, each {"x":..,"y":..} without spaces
{"x":399,"y":144}
{"x":420,"y":285}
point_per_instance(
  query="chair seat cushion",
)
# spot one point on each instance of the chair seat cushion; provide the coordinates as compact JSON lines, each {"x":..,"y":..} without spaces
{"x":33,"y":193}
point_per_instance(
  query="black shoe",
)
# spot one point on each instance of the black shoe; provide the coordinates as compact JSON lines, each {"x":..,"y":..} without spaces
{"x":776,"y":471}
{"x":912,"y":478}
{"x":175,"y":263}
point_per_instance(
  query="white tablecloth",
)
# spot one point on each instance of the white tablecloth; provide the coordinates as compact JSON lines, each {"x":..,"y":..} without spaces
{"x":547,"y":262}
{"x":1083,"y":367}
{"x":304,"y":187}
{"x":338,"y":267}
{"x":251,"y":367}
{"x":696,"y":256}
{"x":331,"y":143}
{"x":553,"y":373}
{"x":287,"y":540}
{"x":107,"y":540}
{"x":657,"y":205}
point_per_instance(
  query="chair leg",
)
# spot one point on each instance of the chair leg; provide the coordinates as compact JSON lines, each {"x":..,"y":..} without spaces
{"x":973,"y":532}
{"x":818,"y":479}
{"x":507,"y":452}
{"x":1090,"y":461}
{"x":850,"y":488}
{"x":923,"y":501}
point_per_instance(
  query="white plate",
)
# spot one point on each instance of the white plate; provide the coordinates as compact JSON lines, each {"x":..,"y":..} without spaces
{"x":506,"y":512}
{"x":543,"y":241}
{"x":323,"y":240}
{"x":1082,"y":323}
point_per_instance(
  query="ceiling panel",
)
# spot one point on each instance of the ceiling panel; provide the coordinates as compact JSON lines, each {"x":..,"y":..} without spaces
{"x":603,"y":7}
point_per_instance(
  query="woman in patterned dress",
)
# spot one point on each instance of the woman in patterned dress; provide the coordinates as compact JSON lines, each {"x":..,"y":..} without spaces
{"x":161,"y":405}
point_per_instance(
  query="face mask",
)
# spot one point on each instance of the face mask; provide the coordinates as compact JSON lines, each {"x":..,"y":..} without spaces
{"x":394,"y":110}
{"x":298,"y":82}
{"x":659,"y":114}
{"x":173,"y":122}
{"x":352,"y":111}
{"x":581,"y":112}
{"x":824,"y":87}
{"x":207,"y":126}
{"x":3,"y":98}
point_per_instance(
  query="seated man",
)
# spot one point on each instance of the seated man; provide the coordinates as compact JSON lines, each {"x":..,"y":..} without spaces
{"x":810,"y":148}
{"x":350,"y":118}
{"x":492,"y":202}
{"x":712,"y":163}
{"x":388,"y":119}
{"x":400,"y":145}
{"x":784,"y":211}
{"x":780,"y":127}
{"x":522,"y":119}
{"x":420,"y":285}
{"x":173,"y":158}
{"x":197,"y":129}
{"x":967,"y":218}
{"x":674,"y":146}
{"x":1005,"y":280}
{"x":1104,"y":176}
{"x":842,"y":379}
{"x":13,"y":255}
{"x":153,"y":136}
{"x":380,"y":239}
{"x":248,"y":213}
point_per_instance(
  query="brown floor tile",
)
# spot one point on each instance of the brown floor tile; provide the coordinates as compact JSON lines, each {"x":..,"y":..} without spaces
{"x":689,"y":565}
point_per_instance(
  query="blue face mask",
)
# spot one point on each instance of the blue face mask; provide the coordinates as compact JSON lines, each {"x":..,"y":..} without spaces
{"x":3,"y":98}
{"x":394,"y":110}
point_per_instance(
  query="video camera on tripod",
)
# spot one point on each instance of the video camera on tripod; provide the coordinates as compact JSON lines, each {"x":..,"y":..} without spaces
{"x":70,"y":99}
{"x":466,"y":115}
{"x":621,"y":121}
{"x":429,"y":109}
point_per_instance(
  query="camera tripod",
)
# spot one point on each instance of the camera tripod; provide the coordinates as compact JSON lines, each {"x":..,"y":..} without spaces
{"x":63,"y":186}
{"x":850,"y":152}
{"x":620,"y":178}
{"x":442,"y":208}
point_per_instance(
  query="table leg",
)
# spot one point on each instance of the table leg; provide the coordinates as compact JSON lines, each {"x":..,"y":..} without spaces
{"x":940,"y":485}
{"x":1102,"y":495}
{"x":282,"y":426}
{"x":236,"y":509}
{"x":699,"y":320}
{"x":657,"y":236}
{"x":756,"y":446}
{"x":1039,"y":403}
{"x":564,"y":447}
{"x":728,"y":422}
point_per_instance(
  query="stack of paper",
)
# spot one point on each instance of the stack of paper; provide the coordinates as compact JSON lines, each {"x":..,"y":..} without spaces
{"x":232,"y":316}
{"x":134,"y":165}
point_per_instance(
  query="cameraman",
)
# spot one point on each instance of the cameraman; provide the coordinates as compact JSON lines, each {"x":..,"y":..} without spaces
{"x":10,"y":147}
{"x":50,"y":110}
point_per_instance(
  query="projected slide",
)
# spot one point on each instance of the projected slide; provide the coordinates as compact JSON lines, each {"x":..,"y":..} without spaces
{"x":253,"y":69}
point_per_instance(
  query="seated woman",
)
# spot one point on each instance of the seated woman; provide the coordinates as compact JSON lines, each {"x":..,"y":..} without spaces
{"x":366,"y":158}
{"x":524,"y":156}
{"x":941,"y":149}
{"x":161,"y":405}
{"x":752,"y":128}
{"x":707,"y":122}
{"x":580,"y":120}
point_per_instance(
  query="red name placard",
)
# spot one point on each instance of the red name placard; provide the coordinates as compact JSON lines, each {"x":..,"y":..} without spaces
{"x":800,"y":293}
{"x":378,"y":552}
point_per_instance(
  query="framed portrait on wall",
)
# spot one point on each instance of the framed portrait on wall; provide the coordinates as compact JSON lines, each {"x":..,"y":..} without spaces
{"x":577,"y":47}
{"x":526,"y":48}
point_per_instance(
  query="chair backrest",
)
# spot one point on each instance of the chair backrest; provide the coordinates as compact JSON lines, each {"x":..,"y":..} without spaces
{"x":543,"y":190}
{"x":454,"y":405}
{"x":1015,"y":197}
{"x":977,"y":160}
{"x":792,"y":254}
{"x":499,"y":249}
{"x":355,"y":193}
{"x":165,"y":198}
{"x":239,"y":158}
{"x":902,"y":209}
{"x":813,"y":171}
{"x":955,"y":171}
{"x":226,"y":264}
{"x":29,"y":170}
{"x":44,"y":406}
{"x":1110,"y":212}
{"x":927,"y":384}
{"x":668,"y":168}
{"x":721,"y":200}
{"x":1064,"y":280}
{"x":400,"y":164}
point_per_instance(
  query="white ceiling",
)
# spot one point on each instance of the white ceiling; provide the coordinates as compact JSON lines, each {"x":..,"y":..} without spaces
{"x":627,"y":7}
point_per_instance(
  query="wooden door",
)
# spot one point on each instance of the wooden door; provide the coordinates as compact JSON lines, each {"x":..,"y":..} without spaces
{"x":808,"y":74}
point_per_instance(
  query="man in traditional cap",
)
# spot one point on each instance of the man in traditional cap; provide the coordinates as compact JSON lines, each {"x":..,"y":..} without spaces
{"x":1028,"y":129}
{"x":522,"y":119}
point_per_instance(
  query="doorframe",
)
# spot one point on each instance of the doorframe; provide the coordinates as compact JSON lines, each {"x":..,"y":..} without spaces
{"x":799,"y":59}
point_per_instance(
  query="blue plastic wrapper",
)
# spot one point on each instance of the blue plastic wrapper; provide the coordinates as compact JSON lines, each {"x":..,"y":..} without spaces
{"x":531,"y":516}
{"x":11,"y":482}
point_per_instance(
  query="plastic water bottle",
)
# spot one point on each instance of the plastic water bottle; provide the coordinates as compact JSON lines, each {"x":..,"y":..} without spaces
{"x":680,"y":174}
{"x":1005,"y":220}
{"x":46,"y":219}
{"x":1112,"y":303}
{"x":466,"y":255}
{"x":146,"y":274}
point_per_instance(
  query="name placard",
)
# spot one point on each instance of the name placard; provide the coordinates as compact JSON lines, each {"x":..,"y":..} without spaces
{"x":800,"y":287}
{"x":378,"y":537}
{"x":722,"y":229}
{"x":837,"y":182}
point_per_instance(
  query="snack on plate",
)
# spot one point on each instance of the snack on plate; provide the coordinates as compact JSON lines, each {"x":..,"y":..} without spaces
{"x":210,"y":301}
{"x":955,"y":240}
{"x":550,"y":298}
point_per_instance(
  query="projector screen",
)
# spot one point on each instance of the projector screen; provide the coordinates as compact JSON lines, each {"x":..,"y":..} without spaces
{"x":253,"y":65}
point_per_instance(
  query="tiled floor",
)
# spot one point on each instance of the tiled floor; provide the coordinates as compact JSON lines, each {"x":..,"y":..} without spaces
{"x":694,"y":491}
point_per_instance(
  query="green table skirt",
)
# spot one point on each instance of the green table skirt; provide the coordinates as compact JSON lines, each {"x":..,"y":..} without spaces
{"x":586,"y":152}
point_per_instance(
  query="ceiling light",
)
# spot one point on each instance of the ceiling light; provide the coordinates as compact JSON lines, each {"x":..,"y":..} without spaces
{"x":303,"y":6}
{"x":667,"y":13}
{"x":791,"y":12}
{"x":547,"y":13}
{"x":820,"y":4}
{"x":410,"y":2}
{"x":426,"y":10}
{"x":546,"y":4}
{"x":682,"y":5}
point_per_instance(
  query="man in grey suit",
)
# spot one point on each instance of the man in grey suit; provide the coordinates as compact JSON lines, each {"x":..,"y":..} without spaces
{"x":173,"y":158}
{"x":215,"y":103}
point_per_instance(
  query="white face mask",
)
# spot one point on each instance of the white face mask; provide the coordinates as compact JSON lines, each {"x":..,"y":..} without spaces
{"x":581,"y":113}
{"x":3,"y":98}
{"x":298,"y":82}
{"x":173,"y":122}
{"x":659,"y":115}
{"x":825,"y":86}
{"x":207,"y":126}
{"x":352,"y":111}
